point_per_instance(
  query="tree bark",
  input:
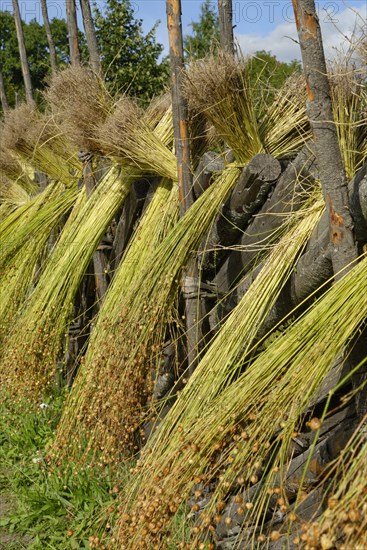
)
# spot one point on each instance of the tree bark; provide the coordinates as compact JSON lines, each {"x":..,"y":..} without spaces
{"x":72,"y":32}
{"x":3,"y":99}
{"x":184,"y":174}
{"x":320,"y":112}
{"x":90,"y":33}
{"x":226,"y":25}
{"x":23,"y":54}
{"x":50,"y":40}
{"x":179,"y":105}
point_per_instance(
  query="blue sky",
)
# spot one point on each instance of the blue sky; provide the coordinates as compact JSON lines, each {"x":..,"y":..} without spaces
{"x":259,"y":24}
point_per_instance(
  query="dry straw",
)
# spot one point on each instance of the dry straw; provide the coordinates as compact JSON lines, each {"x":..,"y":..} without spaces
{"x":34,"y":351}
{"x":34,"y":138}
{"x":220,"y":88}
{"x":25,"y":249}
{"x":12,"y":194}
{"x":79,"y":102}
{"x":12,"y":169}
{"x":117,"y":396}
{"x":349,"y":97}
{"x":116,"y":393}
{"x":344,"y":522}
{"x":253,"y":418}
{"x":157,"y":221}
{"x":129,"y":138}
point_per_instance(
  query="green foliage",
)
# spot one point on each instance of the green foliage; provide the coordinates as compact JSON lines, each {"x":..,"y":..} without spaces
{"x":130,"y":59}
{"x":37,"y":53}
{"x":54,"y":508}
{"x":267,"y":70}
{"x":267,"y":66}
{"x":205,"y":33}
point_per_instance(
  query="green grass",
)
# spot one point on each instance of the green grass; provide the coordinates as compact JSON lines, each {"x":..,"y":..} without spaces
{"x":54,"y":508}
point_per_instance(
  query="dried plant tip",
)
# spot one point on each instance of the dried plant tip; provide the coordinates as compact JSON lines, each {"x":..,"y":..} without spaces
{"x":80,"y":103}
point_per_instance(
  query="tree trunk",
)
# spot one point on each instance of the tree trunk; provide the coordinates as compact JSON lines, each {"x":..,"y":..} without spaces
{"x":72,"y":32}
{"x":182,"y":147}
{"x":23,"y":54}
{"x":3,"y":99}
{"x":319,"y":108}
{"x":50,"y":40}
{"x":179,"y":105}
{"x":226,"y":25}
{"x":90,"y":33}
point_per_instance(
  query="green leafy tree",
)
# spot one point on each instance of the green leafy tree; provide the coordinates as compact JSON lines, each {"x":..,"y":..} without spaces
{"x":37,"y":53}
{"x":269,"y":69}
{"x":130,"y":59}
{"x":205,"y":33}
{"x":266,"y":69}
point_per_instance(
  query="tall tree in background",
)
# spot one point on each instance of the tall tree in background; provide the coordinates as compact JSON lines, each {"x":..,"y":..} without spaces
{"x":90,"y":33}
{"x":205,"y":33}
{"x":72,"y":32}
{"x":50,"y":40}
{"x":37,"y":53}
{"x":23,"y":54}
{"x":130,"y":59}
{"x":226,"y":25}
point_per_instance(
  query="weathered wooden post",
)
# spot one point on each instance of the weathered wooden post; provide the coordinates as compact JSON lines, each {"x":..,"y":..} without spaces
{"x":225,"y":12}
{"x":320,"y":112}
{"x":184,"y":174}
{"x":343,"y":249}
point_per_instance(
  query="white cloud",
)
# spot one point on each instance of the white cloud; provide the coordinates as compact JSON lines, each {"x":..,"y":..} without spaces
{"x":282,"y":40}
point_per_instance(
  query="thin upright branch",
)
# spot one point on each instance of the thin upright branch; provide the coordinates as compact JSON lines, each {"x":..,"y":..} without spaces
{"x":23,"y":54}
{"x":50,"y":40}
{"x":90,"y":33}
{"x":72,"y":32}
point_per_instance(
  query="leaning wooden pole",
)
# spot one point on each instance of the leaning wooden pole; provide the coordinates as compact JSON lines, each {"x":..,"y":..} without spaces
{"x":90,"y":33}
{"x":72,"y":32}
{"x":319,"y":108}
{"x":225,"y":12}
{"x":50,"y":40}
{"x":23,"y":54}
{"x":179,"y":105}
{"x":184,"y":174}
